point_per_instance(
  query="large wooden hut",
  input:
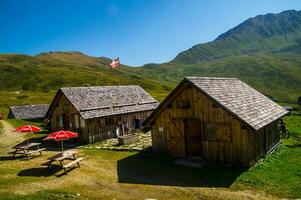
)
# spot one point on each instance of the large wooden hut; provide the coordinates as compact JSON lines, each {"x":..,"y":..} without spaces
{"x":99,"y":113}
{"x":28,"y":112}
{"x":219,"y":119}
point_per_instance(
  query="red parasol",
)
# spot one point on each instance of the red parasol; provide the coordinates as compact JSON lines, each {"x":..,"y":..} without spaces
{"x":28,"y":129}
{"x":61,"y":135}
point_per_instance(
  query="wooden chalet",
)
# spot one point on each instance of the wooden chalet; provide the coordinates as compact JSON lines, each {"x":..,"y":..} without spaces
{"x":99,"y":113}
{"x":28,"y":112}
{"x":219,"y":119}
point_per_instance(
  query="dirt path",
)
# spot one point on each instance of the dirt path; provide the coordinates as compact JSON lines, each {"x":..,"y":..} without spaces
{"x":9,"y":137}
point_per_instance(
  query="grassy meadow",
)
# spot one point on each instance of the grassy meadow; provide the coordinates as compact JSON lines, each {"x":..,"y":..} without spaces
{"x":132,"y":175}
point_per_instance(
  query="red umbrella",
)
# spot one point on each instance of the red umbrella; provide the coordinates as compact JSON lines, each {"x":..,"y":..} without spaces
{"x":61,"y":135}
{"x":28,"y":129}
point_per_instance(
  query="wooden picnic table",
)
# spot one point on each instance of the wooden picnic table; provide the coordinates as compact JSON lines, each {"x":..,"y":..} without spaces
{"x":28,"y":149}
{"x":62,"y":157}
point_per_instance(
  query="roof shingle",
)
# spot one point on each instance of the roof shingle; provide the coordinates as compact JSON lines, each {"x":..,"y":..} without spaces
{"x":240,"y":99}
{"x":100,"y":101}
{"x":37,"y":111}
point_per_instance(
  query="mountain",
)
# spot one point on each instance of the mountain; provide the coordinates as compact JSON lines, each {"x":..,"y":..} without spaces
{"x":264,"y":51}
{"x":50,"y":71}
{"x":263,"y":32}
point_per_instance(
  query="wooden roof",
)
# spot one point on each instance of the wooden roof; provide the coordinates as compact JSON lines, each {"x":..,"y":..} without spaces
{"x":235,"y":96}
{"x":100,"y":101}
{"x":29,"y":111}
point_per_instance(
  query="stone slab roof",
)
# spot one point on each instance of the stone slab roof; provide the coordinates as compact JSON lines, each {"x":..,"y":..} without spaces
{"x":240,"y":99}
{"x":100,"y":101}
{"x":37,"y":111}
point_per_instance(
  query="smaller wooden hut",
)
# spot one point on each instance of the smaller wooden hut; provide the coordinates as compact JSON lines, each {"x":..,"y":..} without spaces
{"x":28,"y":112}
{"x":219,"y":119}
{"x":99,"y":113}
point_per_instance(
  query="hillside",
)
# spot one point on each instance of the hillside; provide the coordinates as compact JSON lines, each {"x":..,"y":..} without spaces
{"x":263,"y":32}
{"x":264,"y":51}
{"x":50,"y":71}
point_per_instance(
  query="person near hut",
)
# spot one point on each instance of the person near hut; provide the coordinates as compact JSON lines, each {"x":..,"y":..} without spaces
{"x":126,"y":128}
{"x":283,"y":129}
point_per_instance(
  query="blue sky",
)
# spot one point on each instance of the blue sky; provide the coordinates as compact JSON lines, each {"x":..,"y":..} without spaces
{"x":138,"y":31}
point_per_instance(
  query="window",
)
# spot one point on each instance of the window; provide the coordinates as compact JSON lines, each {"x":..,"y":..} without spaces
{"x":183,"y":104}
{"x":109,"y":121}
{"x":61,"y":120}
{"x":137,"y":123}
{"x":66,"y":106}
{"x":169,"y":105}
{"x":210,"y":134}
{"x":218,"y":132}
{"x":214,"y":105}
{"x":76,"y":121}
{"x":82,"y":123}
{"x":243,"y":127}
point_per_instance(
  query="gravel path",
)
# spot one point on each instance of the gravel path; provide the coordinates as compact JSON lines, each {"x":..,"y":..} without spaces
{"x":8,"y":136}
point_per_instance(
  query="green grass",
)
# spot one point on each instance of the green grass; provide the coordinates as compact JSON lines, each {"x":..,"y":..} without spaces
{"x":27,"y":97}
{"x":130,"y":175}
{"x":43,"y":195}
{"x":17,"y":122}
{"x":44,"y":74}
{"x":280,"y":173}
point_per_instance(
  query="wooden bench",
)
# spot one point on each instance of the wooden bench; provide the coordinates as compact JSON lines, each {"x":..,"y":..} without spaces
{"x":34,"y":151}
{"x":72,"y":163}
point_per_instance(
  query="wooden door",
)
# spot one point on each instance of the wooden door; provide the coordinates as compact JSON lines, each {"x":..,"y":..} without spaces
{"x":175,"y":134}
{"x":193,"y":137}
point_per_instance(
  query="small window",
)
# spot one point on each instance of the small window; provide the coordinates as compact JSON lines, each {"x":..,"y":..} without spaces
{"x":66,"y":106}
{"x":214,"y":105}
{"x":169,"y":105}
{"x":183,"y":104}
{"x":82,"y":122}
{"x":109,"y":121}
{"x":210,"y":134}
{"x":137,"y":123}
{"x":220,"y":132}
{"x":76,"y":121}
{"x":243,"y":127}
{"x":61,"y":121}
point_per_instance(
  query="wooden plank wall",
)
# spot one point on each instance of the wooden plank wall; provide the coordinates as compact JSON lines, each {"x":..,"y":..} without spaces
{"x":98,"y":130}
{"x":263,"y":140}
{"x":95,"y":129}
{"x":168,"y":129}
{"x":70,"y":113}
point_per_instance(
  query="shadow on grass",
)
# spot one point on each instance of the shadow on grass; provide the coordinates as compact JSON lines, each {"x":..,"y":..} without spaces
{"x":40,"y":171}
{"x":44,"y":172}
{"x":153,"y":169}
{"x":6,"y":158}
{"x":296,"y":145}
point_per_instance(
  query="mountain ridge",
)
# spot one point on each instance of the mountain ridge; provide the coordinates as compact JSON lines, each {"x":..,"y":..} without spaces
{"x":263,"y":32}
{"x":271,"y":64}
